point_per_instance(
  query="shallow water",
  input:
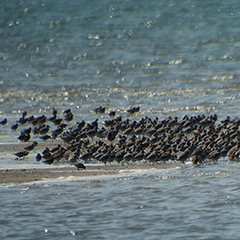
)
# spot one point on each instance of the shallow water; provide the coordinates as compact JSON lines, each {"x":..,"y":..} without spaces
{"x":179,"y":203}
{"x":168,"y":57}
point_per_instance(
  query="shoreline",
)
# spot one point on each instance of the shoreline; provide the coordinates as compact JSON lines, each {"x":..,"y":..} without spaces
{"x":25,"y":171}
{"x":34,"y":174}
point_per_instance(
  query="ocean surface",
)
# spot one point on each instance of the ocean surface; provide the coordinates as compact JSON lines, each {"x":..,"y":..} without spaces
{"x":170,"y":58}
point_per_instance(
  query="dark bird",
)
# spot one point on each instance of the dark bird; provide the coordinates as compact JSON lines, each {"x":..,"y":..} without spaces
{"x":24,"y":137}
{"x":99,"y":109}
{"x":32,"y":146}
{"x":57,"y":121}
{"x":21,"y":154}
{"x":22,"y":120}
{"x":92,"y":133}
{"x":30,"y":119}
{"x":47,"y":155}
{"x":55,"y":148}
{"x":24,"y":114}
{"x":53,"y":118}
{"x":27,"y":131}
{"x":112,"y":134}
{"x":112,"y":114}
{"x":41,"y":119}
{"x":57,"y":132}
{"x":58,"y":155}
{"x":14,"y":127}
{"x":44,"y":130}
{"x":79,"y":165}
{"x":49,"y":160}
{"x":63,"y":125}
{"x":67,"y":111}
{"x":68,"y":117}
{"x":45,"y":137}
{"x":3,"y":122}
{"x":38,"y":157}
{"x":133,"y":110}
{"x":46,"y":151}
{"x":54,"y":112}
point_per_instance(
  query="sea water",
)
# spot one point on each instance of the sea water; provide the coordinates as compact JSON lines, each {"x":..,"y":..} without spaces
{"x":171,"y":58}
{"x":178,"y":203}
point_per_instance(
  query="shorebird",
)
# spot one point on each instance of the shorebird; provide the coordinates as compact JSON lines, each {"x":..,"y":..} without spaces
{"x":54,"y":111}
{"x":57,"y":132}
{"x":24,"y":137}
{"x":100,"y":109}
{"x":79,"y":165}
{"x":57,"y":121}
{"x":23,"y":120}
{"x":14,"y":127}
{"x":67,"y":111}
{"x":112,"y":134}
{"x":133,"y":110}
{"x":112,"y":114}
{"x":30,"y":119}
{"x":27,"y":131}
{"x":32,"y":146}
{"x":49,"y":160}
{"x":55,"y":148}
{"x":41,"y":119}
{"x":21,"y":154}
{"x":45,"y":137}
{"x":68,"y":117}
{"x":3,"y":122}
{"x":53,"y":118}
{"x":44,"y":130}
{"x":38,"y":157}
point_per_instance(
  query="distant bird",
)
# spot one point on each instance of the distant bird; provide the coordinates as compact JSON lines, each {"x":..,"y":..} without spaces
{"x":133,"y":110}
{"x":23,"y":120}
{"x":14,"y":127}
{"x":3,"y":122}
{"x":41,"y":119}
{"x":32,"y":146}
{"x":27,"y":131}
{"x":30,"y":119}
{"x":79,"y":165}
{"x":112,"y":134}
{"x":112,"y":114}
{"x":100,"y":110}
{"x":24,"y":137}
{"x":49,"y":160}
{"x":57,"y":132}
{"x":68,"y":117}
{"x":44,"y":130}
{"x":53,"y":118}
{"x":55,"y":148}
{"x":54,"y":112}
{"x":63,"y":125}
{"x":45,"y":151}
{"x":38,"y":157}
{"x":45,"y":137}
{"x":57,"y":121}
{"x":21,"y":154}
{"x":67,"y":111}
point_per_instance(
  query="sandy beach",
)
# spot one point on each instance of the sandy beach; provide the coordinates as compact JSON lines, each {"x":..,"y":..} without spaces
{"x":32,"y":174}
{"x":21,"y":172}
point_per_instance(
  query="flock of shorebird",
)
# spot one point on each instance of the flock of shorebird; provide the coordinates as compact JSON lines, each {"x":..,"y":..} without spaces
{"x":199,"y":138}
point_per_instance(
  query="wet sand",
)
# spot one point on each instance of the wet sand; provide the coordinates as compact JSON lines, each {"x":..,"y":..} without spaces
{"x":22,"y":172}
{"x":25,"y":175}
